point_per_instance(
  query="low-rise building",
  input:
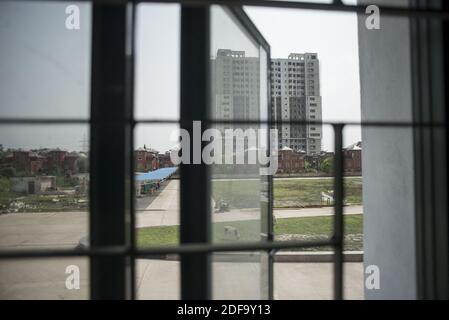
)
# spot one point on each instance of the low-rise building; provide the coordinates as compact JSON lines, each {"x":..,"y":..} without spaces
{"x":54,"y":160}
{"x":290,"y":161}
{"x":32,"y":185}
{"x":165,"y":160}
{"x":353,"y":157}
{"x":146,"y":159}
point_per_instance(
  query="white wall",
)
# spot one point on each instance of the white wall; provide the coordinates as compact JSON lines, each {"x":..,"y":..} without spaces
{"x":388,"y":169}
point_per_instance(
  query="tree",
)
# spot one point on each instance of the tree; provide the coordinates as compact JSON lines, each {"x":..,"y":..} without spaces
{"x":83,"y":165}
{"x":308,"y":167}
{"x":8,"y":172}
{"x":327,"y":165}
{"x":4,"y":185}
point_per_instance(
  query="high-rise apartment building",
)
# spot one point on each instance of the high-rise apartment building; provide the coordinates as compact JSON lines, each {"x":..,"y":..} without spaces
{"x":295,"y":94}
{"x":235,"y":86}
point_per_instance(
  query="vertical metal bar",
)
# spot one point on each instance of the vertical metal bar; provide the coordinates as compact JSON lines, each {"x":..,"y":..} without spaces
{"x":110,"y":148}
{"x":338,"y":205}
{"x":195,"y":189}
{"x":130,"y":49}
{"x":270,"y":184}
{"x":431,"y":179}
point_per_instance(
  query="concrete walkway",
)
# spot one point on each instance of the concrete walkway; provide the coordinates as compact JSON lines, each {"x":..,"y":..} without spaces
{"x":159,"y":279}
{"x":164,"y":210}
{"x":42,"y":230}
{"x":233,"y":280}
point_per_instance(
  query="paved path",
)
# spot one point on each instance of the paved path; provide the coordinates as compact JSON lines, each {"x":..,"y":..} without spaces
{"x":159,"y":279}
{"x":42,"y":230}
{"x":285,"y":178}
{"x":164,"y":210}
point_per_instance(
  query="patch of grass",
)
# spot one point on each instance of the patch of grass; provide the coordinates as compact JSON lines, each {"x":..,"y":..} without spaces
{"x":307,"y":192}
{"x":317,"y":225}
{"x":158,"y":236}
{"x":14,"y":202}
{"x":305,"y":228}
{"x":237,"y":193}
{"x":288,"y":193}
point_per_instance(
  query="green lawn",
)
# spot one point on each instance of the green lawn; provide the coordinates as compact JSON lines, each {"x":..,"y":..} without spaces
{"x":307,"y":228}
{"x":42,"y":203}
{"x":288,"y":193}
{"x":237,"y":193}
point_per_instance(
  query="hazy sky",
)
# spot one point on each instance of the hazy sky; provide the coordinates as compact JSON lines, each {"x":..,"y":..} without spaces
{"x":45,"y":68}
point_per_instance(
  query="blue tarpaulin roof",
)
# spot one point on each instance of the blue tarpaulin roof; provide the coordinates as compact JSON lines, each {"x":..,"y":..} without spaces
{"x":158,"y":174}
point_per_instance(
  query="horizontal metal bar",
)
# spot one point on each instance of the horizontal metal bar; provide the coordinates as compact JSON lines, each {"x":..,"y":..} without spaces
{"x":18,"y":121}
{"x":304,"y":122}
{"x":181,"y":249}
{"x":51,"y":253}
{"x":336,"y":7}
{"x":31,"y":121}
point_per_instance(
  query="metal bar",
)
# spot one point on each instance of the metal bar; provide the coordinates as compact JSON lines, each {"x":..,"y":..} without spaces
{"x":106,"y":122}
{"x":130,"y":55}
{"x":338,"y":205}
{"x":195,"y":188}
{"x":430,"y":180}
{"x":336,"y":7}
{"x":181,"y":249}
{"x":270,"y":184}
{"x":251,"y":29}
{"x":307,"y":122}
{"x":110,"y":149}
{"x":333,"y":7}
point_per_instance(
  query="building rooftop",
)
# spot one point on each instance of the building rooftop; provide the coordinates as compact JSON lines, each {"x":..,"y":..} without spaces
{"x":159,"y":174}
{"x":355,"y":146}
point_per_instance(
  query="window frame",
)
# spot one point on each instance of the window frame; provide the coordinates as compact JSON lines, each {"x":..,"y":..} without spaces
{"x":112,"y":258}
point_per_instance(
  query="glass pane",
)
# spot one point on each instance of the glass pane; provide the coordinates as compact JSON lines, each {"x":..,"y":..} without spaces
{"x":238,"y":275}
{"x":157,"y":209}
{"x":157,"y":66}
{"x":45,"y":59}
{"x":157,"y":186}
{"x":158,"y":279}
{"x":303,"y":193}
{"x":299,"y":278}
{"x":44,"y":279}
{"x":239,"y":182}
{"x":44,"y":182}
{"x":327,"y":40}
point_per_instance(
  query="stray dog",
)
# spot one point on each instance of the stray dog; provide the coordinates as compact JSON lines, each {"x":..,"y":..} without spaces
{"x":231,"y":233}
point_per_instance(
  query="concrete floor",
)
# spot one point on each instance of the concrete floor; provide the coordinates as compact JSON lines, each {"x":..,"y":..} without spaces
{"x":159,"y":279}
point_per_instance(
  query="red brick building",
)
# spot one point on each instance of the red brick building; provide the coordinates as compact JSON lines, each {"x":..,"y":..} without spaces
{"x":21,"y":161}
{"x":290,"y":161}
{"x":146,"y":159}
{"x":71,"y":163}
{"x":54,"y":160}
{"x":353,"y":157}
{"x":36,"y":163}
{"x":164,"y":160}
